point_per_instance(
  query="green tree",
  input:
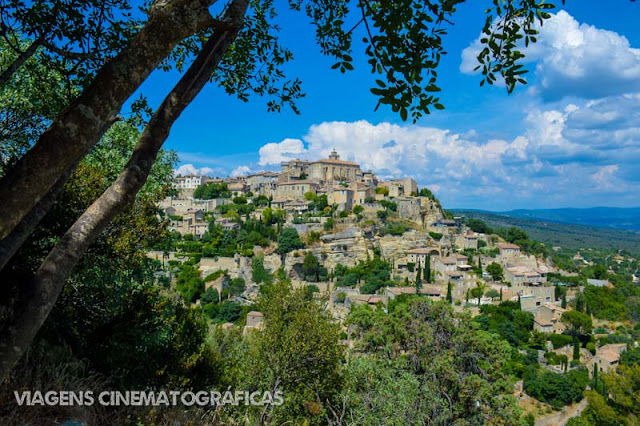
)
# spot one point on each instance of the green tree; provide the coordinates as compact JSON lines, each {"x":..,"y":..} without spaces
{"x":477,"y":292}
{"x":329,"y":224}
{"x":288,"y":241}
{"x":495,"y":270}
{"x":311,"y":267}
{"x":440,"y":345}
{"x":492,"y":293}
{"x":427,"y":269}
{"x":297,"y":353}
{"x":578,"y":324}
{"x":212,"y":190}
{"x":209,"y":296}
{"x":259,"y":273}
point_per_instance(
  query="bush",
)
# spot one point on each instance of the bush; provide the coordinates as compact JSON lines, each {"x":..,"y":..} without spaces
{"x":435,"y":235}
{"x":560,"y":340}
{"x":340,"y":297}
{"x":328,"y":225}
{"x":209,"y":296}
{"x":555,"y":389}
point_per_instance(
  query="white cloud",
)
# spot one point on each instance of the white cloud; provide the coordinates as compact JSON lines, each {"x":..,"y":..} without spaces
{"x":575,"y":59}
{"x":557,"y":160}
{"x":274,"y":153}
{"x":240,"y":171}
{"x":189,"y":169}
{"x":605,"y":177}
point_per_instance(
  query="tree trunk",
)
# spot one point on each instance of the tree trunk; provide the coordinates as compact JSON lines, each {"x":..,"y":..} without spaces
{"x":20,"y":233}
{"x":49,"y":280}
{"x":80,"y":126}
{"x":17,"y":63}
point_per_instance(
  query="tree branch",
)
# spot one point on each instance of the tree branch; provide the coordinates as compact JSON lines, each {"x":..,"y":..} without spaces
{"x":49,"y":280}
{"x":79,"y":127}
{"x":21,"y":59}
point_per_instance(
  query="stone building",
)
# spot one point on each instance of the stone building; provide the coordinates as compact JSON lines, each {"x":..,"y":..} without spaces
{"x":295,"y":189}
{"x":333,"y":169}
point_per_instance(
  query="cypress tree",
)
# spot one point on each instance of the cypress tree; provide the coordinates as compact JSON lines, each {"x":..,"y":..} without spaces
{"x":467,"y":295}
{"x":501,"y":294}
{"x":449,"y":295}
{"x":576,"y":350}
{"x":579,"y":303}
{"x":419,"y":276}
{"x":479,"y":267}
{"x":427,"y":269}
{"x":564,"y":301}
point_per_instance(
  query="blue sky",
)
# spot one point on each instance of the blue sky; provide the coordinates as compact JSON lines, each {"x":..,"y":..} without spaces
{"x":569,"y":138}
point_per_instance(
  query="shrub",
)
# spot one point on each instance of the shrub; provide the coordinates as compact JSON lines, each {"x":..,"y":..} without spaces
{"x":560,"y":340}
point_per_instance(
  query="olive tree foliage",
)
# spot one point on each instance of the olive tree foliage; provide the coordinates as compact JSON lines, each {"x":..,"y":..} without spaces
{"x":105,"y":52}
{"x":74,"y":37}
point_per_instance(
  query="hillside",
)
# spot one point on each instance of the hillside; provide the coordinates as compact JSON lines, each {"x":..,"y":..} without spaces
{"x":562,"y":234}
{"x":599,"y":217}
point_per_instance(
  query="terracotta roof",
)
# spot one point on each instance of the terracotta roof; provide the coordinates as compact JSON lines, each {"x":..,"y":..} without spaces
{"x":298,"y":182}
{"x":402,"y":290}
{"x":341,"y":162}
{"x":508,"y":246}
{"x":608,"y":355}
{"x":431,"y":291}
{"x":422,"y":250}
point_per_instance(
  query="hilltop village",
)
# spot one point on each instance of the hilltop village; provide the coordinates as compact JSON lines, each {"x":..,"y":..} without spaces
{"x":353,"y":239}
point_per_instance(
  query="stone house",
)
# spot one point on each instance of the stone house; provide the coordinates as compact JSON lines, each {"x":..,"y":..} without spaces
{"x":418,"y":256}
{"x":469,"y":240}
{"x":508,"y":253}
{"x":607,"y":357}
{"x":525,"y":275}
{"x":295,"y":189}
{"x":255,"y":321}
{"x":393,"y":292}
{"x":444,"y":265}
{"x":547,"y":319}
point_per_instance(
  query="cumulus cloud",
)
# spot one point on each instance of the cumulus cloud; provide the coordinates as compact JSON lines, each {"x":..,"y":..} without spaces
{"x":575,"y":59}
{"x":559,"y":159}
{"x":240,"y":171}
{"x":274,"y":153}
{"x":190,"y":169}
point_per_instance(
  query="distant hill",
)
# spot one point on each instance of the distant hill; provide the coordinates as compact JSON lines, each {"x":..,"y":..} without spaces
{"x":599,"y":217}
{"x":565,"y":235}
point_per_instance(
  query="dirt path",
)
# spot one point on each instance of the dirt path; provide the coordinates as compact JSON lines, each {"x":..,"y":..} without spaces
{"x":561,"y":418}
